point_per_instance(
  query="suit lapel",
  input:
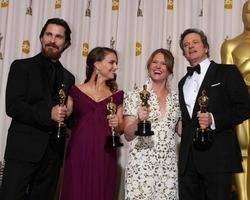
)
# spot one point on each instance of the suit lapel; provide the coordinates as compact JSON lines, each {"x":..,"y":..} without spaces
{"x":66,"y":80}
{"x":181,"y":98}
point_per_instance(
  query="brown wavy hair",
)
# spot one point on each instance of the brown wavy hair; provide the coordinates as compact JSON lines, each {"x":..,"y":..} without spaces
{"x":99,"y":54}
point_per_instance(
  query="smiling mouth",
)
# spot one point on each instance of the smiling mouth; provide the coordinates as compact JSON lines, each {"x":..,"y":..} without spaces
{"x":157,"y":72}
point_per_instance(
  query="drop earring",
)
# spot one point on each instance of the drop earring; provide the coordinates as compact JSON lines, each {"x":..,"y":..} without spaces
{"x":96,"y":76}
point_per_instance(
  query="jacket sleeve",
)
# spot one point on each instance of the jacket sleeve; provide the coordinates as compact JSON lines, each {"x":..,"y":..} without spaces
{"x":237,"y":100}
{"x":20,"y":105}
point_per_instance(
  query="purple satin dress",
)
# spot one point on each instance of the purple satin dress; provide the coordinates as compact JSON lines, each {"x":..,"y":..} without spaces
{"x":90,"y":168}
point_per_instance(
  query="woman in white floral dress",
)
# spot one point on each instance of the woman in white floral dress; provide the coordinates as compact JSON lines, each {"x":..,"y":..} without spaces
{"x":151,"y":172}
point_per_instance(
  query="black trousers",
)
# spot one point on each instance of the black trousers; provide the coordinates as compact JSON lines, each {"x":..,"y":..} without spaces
{"x":194,"y":185}
{"x":32,"y":181}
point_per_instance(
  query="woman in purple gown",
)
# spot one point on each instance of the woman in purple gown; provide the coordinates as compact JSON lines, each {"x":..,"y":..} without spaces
{"x":90,"y":166}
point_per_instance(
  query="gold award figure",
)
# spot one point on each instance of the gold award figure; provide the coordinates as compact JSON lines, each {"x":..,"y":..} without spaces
{"x":203,"y":101}
{"x":144,"y":126}
{"x":62,"y":95}
{"x":236,"y":51}
{"x":61,"y":126}
{"x":202,"y":139}
{"x":113,"y":139}
{"x":144,"y":95}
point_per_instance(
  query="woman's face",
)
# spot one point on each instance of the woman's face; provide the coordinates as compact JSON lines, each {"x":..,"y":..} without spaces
{"x":107,"y":67}
{"x":157,"y":70}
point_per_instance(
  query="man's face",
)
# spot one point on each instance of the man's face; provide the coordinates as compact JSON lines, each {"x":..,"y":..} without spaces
{"x":53,"y":41}
{"x":193,"y":49}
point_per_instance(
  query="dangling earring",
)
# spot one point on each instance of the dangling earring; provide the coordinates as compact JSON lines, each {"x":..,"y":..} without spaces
{"x":96,"y":76}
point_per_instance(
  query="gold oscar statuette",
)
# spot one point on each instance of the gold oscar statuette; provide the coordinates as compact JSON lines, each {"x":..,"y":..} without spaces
{"x":113,"y":139}
{"x":144,"y":126}
{"x":61,"y":126}
{"x":202,"y":139}
{"x":236,"y":51}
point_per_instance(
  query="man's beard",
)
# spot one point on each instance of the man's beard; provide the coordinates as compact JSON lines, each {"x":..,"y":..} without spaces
{"x":49,"y":53}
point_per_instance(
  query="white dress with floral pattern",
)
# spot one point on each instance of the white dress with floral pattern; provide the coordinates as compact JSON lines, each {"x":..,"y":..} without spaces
{"x":151,"y":172}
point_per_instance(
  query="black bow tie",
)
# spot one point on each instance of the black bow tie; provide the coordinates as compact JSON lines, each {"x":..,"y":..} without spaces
{"x":191,"y":70}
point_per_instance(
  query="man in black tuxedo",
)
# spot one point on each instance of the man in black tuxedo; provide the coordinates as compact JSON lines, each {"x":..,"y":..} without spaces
{"x":205,"y":172}
{"x":33,"y":155}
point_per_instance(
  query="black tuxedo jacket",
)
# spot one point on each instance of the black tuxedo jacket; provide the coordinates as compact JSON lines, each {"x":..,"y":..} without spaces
{"x":229,"y":102}
{"x":29,"y":102}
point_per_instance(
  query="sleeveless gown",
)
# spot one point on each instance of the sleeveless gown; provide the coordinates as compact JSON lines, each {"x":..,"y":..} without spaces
{"x":90,"y":167}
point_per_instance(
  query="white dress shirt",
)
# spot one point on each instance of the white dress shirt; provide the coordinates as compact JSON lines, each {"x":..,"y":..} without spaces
{"x":191,"y":88}
{"x":192,"y":85}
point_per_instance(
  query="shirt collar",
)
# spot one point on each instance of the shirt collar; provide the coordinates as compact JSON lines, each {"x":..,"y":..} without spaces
{"x":204,"y":65}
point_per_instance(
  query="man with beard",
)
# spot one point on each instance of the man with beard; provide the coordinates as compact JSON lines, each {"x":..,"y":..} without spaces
{"x":33,"y":154}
